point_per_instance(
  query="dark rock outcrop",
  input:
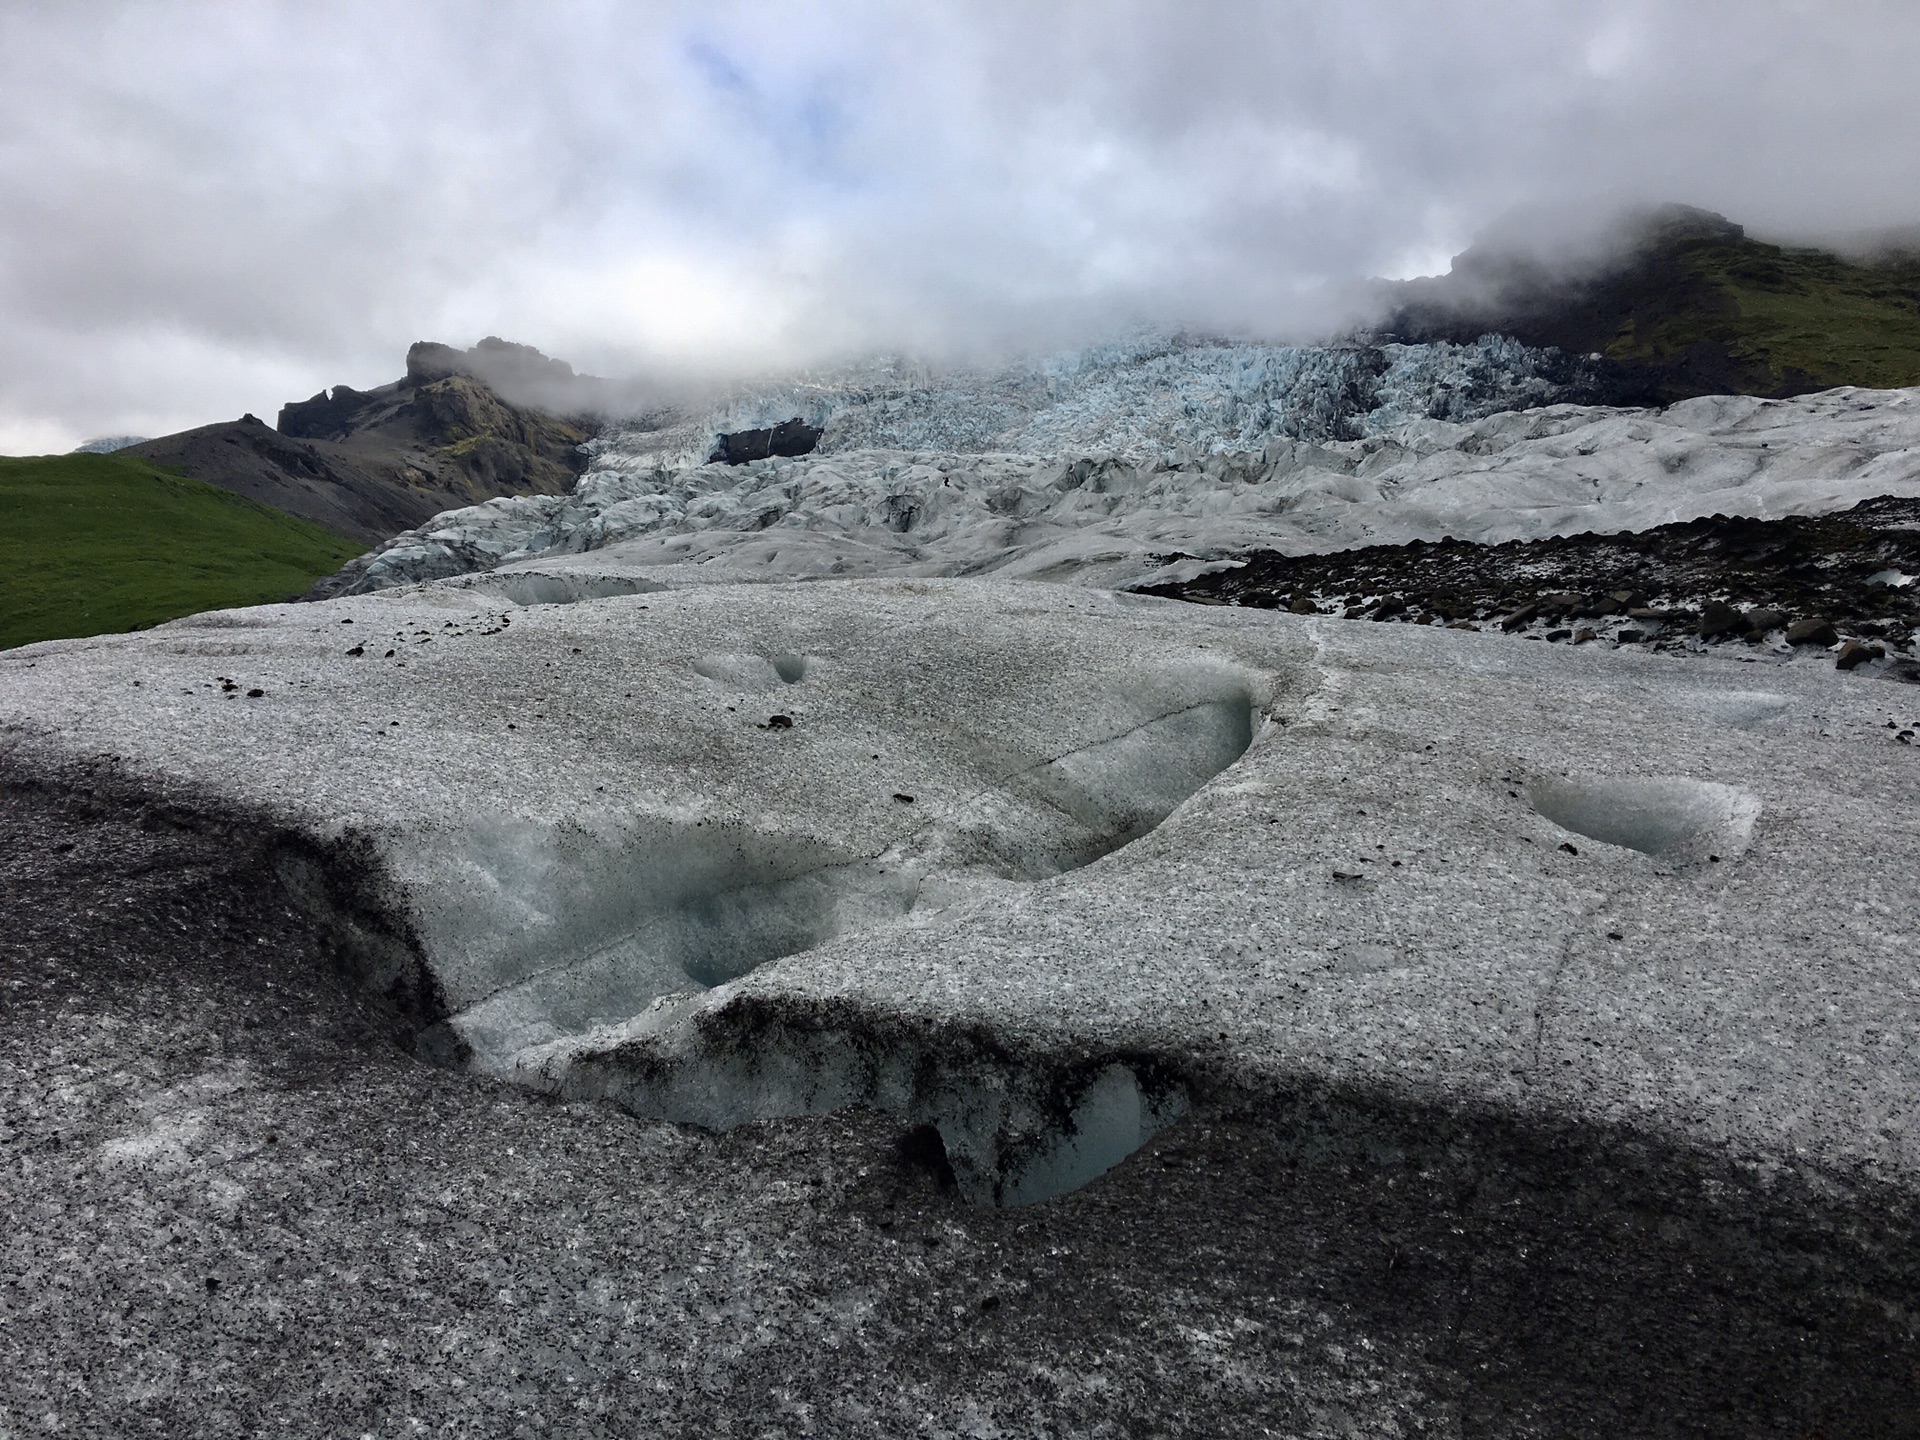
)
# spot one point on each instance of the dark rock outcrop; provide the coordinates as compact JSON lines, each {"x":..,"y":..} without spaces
{"x":788,"y":438}
{"x":324,"y":417}
{"x":371,"y":463}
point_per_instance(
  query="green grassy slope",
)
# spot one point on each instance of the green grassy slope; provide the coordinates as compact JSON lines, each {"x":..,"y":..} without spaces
{"x":96,"y":543}
{"x":1800,"y":319}
{"x":1691,"y":305}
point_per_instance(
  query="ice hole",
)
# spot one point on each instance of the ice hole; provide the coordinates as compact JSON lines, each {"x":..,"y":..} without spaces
{"x":1115,"y":791}
{"x":530,"y":588}
{"x":1670,"y":817}
{"x":1112,"y":1120}
{"x":752,"y":674}
{"x":567,"y":930}
{"x":547,"y":929}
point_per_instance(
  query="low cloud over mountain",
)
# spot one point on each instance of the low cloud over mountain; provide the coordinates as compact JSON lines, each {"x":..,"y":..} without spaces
{"x":205,"y":209}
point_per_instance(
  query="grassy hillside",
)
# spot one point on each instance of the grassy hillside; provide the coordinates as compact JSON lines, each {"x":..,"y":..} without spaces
{"x":1691,"y":306}
{"x":1799,"y":319}
{"x":96,"y":543}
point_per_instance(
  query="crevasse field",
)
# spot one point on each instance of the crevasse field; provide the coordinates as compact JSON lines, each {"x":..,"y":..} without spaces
{"x":1132,"y":464}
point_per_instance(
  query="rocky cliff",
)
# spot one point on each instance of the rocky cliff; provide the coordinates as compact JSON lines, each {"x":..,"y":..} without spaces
{"x":371,"y":463}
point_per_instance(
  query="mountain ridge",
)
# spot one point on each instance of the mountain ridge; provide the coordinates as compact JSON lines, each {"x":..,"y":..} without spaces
{"x":1684,"y":303}
{"x":368,"y":464}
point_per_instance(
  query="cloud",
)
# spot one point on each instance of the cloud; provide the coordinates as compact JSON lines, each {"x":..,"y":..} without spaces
{"x":206,"y":208}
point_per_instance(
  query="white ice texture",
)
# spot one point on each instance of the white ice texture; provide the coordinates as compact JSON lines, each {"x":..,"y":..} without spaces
{"x":1128,"y":464}
{"x":1138,"y":400}
{"x":1024,"y":861}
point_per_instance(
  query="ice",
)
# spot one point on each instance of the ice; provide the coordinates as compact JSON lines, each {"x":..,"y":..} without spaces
{"x":1016,"y":1129}
{"x":1671,"y":818}
{"x":1137,"y":512}
{"x":781,"y":775}
{"x":1138,"y":398}
{"x":1111,"y":1121}
{"x":1021,"y":850}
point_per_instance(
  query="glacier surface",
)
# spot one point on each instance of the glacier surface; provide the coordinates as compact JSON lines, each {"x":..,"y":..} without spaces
{"x":1171,"y":463}
{"x":1150,"y":397}
{"x":1405,"y":967}
{"x":1395,"y":938}
{"x":1035,"y":863}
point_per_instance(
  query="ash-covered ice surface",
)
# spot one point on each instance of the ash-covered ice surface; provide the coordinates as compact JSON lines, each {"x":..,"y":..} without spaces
{"x":579,"y":983}
{"x":955,"y":1007}
{"x":1168,"y":466}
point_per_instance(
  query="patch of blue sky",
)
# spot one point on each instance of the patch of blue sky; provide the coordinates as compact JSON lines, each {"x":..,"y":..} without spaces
{"x":803,"y":120}
{"x":717,"y":68}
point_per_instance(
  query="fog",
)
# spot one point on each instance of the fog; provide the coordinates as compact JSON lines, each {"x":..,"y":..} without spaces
{"x":213,"y":208}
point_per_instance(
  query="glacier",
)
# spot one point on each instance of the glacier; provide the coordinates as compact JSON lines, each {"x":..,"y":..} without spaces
{"x":728,"y":852}
{"x":1131,"y":465}
{"x":1405,"y":1030}
{"x":1136,"y":399}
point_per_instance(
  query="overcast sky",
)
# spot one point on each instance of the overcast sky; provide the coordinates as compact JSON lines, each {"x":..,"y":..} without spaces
{"x":211,"y":208}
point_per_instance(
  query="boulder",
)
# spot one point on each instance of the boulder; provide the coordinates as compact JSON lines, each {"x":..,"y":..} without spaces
{"x":1855,"y":653}
{"x":1812,"y":631}
{"x":1718,"y":619}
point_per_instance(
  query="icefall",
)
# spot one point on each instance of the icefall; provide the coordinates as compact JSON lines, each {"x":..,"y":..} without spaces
{"x":1137,"y":400}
